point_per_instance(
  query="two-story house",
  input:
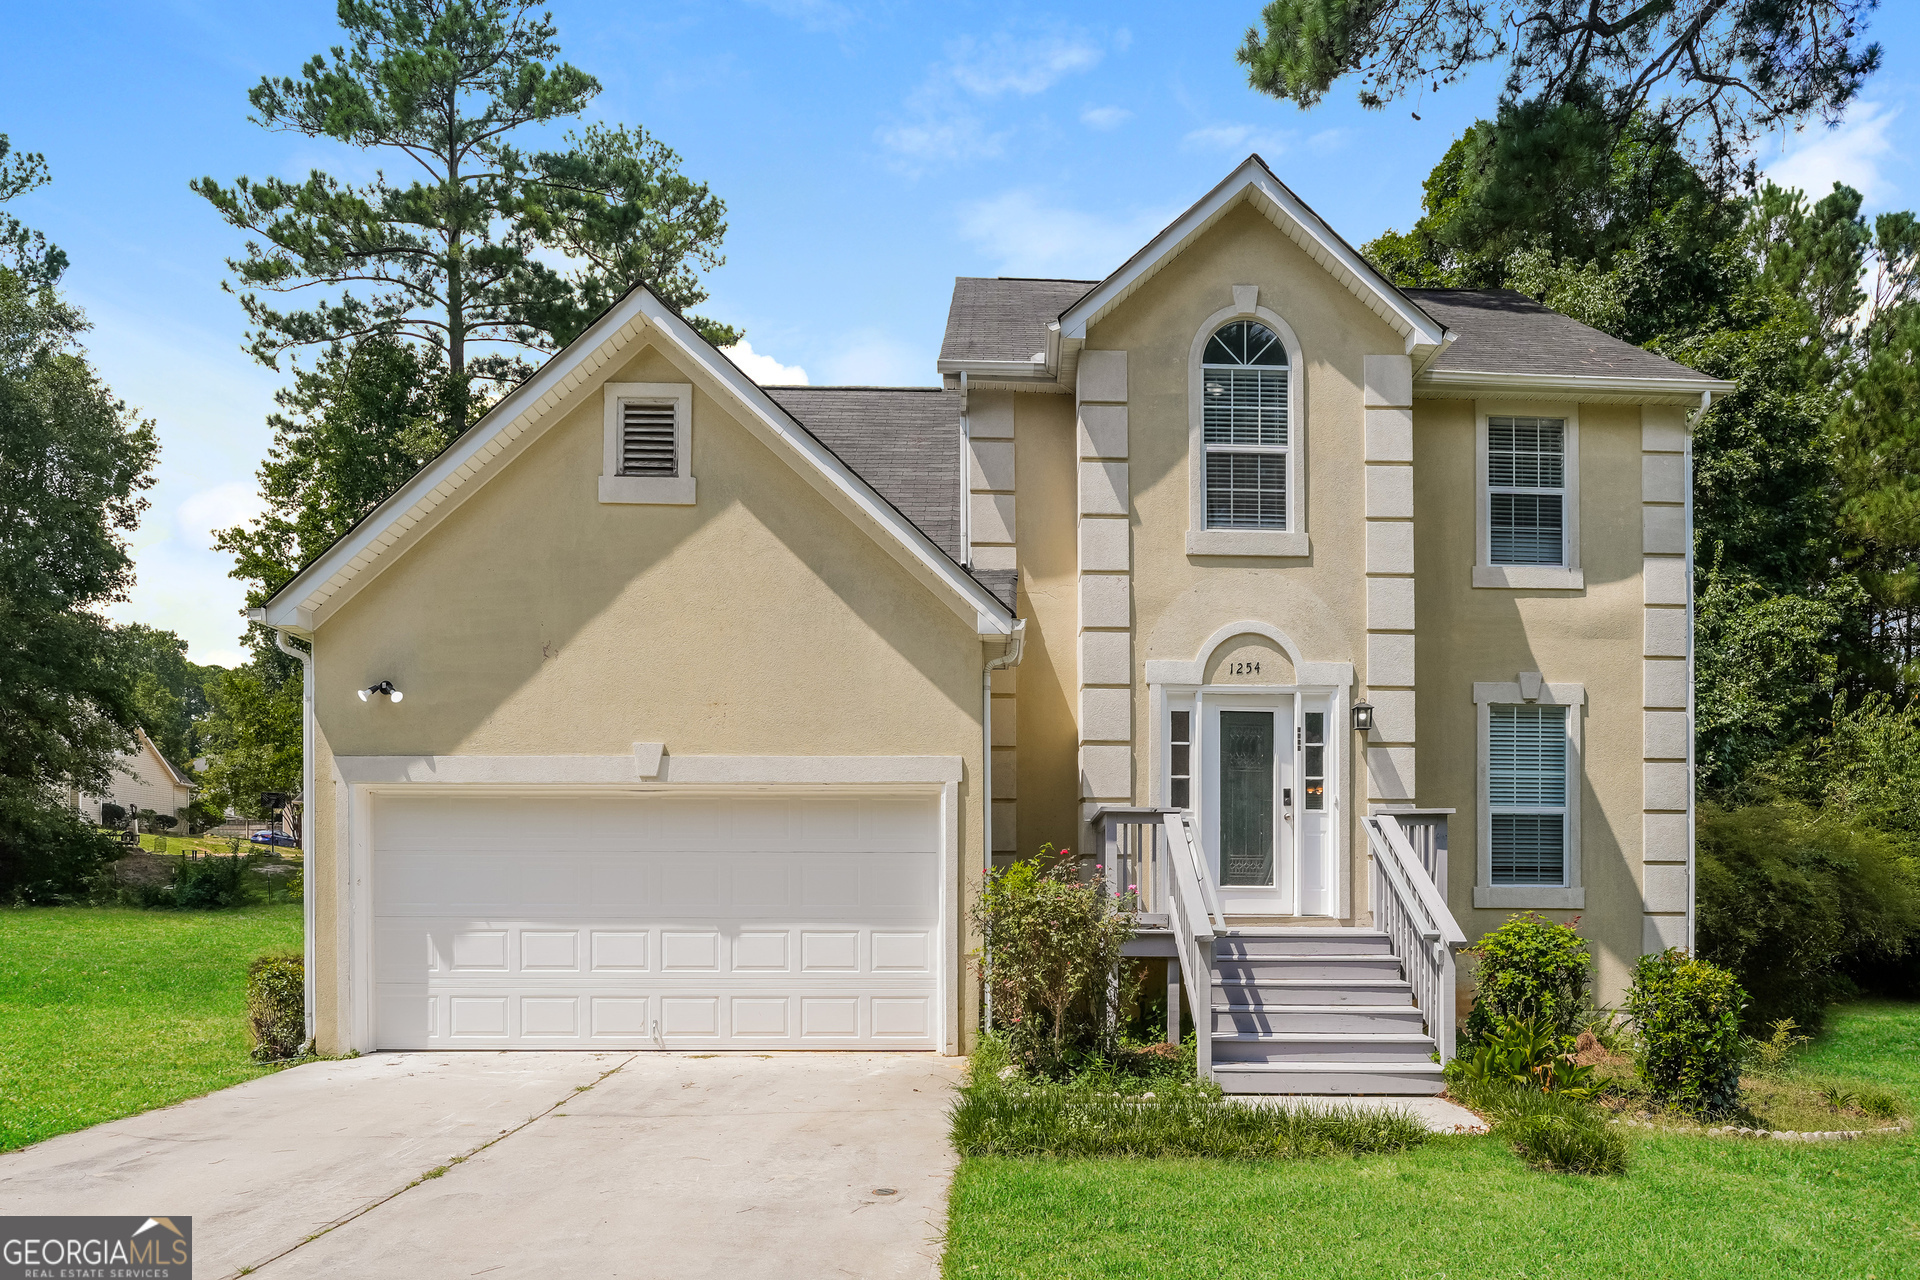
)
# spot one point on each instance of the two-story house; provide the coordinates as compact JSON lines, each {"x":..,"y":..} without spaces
{"x":668,"y":710}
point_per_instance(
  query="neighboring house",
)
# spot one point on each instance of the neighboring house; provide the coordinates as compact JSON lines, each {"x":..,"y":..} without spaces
{"x":143,"y":779}
{"x":702,"y":679}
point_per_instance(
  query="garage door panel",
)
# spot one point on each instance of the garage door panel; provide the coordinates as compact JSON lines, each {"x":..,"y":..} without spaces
{"x":798,"y":940}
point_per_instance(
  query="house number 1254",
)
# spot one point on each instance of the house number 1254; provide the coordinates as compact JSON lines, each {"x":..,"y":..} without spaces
{"x":1243,"y":668}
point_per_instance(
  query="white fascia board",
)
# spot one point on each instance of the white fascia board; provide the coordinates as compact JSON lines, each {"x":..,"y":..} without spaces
{"x":1461,"y":382}
{"x":836,"y":481}
{"x":349,"y":564}
{"x":1254,"y":179}
{"x":298,"y":606}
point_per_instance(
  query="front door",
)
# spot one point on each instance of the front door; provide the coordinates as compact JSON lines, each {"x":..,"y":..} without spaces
{"x":1249,"y":803}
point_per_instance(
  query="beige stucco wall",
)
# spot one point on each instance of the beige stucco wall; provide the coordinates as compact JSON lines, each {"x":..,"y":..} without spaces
{"x":1179,"y":599}
{"x":536,"y":620}
{"x":1590,"y":637}
{"x":1050,"y":602}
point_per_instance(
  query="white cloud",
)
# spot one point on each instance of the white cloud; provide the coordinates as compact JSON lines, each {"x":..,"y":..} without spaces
{"x":1105,"y":117}
{"x":1854,"y":153}
{"x":944,"y":120}
{"x":876,"y":358}
{"x":1328,"y":141}
{"x":221,"y":507}
{"x":1238,"y":138}
{"x":1022,"y":234}
{"x":1017,"y":63}
{"x":764,"y":369}
{"x":814,"y":15}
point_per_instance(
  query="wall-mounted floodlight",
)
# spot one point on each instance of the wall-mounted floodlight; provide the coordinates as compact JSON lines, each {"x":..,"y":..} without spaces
{"x":384,"y":689}
{"x":1362,"y":717}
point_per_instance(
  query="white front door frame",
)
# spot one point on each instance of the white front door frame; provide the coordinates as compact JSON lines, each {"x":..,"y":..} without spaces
{"x":362,"y":779}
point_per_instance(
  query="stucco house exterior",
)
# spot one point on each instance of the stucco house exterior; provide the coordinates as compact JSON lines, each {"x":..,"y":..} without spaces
{"x":143,"y":779}
{"x":667,"y":710}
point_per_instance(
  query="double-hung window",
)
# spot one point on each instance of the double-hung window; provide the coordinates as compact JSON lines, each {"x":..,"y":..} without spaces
{"x":1526,"y":491}
{"x":1245,"y":428}
{"x":1527,"y":794}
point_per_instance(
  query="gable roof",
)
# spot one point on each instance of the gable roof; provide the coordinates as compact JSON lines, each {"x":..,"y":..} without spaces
{"x":904,"y":441}
{"x":174,"y":773}
{"x":1255,"y":184}
{"x":994,"y":319}
{"x":525,"y":413}
{"x":1505,"y":331}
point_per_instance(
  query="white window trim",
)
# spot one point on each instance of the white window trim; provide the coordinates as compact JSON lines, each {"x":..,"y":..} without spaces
{"x":1565,"y":576}
{"x":1202,"y":541}
{"x":675,"y":490}
{"x":1573,"y":894}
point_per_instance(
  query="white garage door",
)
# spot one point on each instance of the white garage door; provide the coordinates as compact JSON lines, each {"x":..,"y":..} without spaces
{"x":764,"y":921}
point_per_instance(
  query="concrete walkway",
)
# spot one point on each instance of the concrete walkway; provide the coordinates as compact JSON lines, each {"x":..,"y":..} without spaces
{"x":681,"y":1165}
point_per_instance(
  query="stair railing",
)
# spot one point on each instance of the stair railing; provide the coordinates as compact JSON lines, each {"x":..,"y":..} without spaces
{"x":1196,"y":920}
{"x":1409,"y":909}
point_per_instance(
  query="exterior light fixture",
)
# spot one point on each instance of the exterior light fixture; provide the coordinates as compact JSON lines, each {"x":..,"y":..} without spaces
{"x":384,"y":689}
{"x":1362,"y":717}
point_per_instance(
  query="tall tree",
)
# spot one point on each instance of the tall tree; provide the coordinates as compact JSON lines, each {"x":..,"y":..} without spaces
{"x":169,"y":694}
{"x":350,"y":430}
{"x":31,"y":257}
{"x":1715,"y":72}
{"x":458,"y":255}
{"x":74,"y":462}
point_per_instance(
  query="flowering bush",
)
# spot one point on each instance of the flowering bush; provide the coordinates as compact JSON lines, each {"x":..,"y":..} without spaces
{"x":1050,"y":960}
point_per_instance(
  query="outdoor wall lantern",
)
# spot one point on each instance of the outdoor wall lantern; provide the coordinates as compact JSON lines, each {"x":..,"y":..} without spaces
{"x":384,"y":689}
{"x":1362,"y":717}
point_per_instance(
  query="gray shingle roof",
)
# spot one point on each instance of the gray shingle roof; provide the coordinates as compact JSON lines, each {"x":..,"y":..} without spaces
{"x":904,"y":441}
{"x":1502,"y":331}
{"x":997,"y":318}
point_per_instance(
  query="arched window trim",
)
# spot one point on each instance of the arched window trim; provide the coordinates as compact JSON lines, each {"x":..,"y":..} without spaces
{"x":1293,"y":540}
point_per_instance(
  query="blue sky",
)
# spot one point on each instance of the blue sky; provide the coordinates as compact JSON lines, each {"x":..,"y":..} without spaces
{"x":868,"y":153}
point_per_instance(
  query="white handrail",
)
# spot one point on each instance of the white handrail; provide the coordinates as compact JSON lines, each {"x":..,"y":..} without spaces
{"x":1432,"y":903}
{"x":1409,"y":909}
{"x":1193,"y":931}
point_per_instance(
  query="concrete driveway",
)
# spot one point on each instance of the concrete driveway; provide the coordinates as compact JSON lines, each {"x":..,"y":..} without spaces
{"x":513,"y":1164}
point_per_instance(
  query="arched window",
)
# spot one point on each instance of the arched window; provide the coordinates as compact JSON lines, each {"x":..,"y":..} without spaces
{"x":1244,"y":427}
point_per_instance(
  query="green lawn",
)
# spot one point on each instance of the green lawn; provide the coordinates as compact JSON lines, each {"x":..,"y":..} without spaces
{"x":1466,"y":1209}
{"x":106,"y":1011}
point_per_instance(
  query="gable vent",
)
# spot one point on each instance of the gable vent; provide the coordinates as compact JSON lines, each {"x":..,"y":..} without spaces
{"x":647,"y":445}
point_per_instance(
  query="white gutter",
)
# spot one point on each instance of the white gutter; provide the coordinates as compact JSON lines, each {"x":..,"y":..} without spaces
{"x":308,"y":806}
{"x":1684,"y":389}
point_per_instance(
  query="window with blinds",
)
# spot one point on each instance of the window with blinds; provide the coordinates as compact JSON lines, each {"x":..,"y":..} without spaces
{"x":1245,"y":427}
{"x":1527,"y":793}
{"x":1526,"y":491}
{"x":648,"y":445}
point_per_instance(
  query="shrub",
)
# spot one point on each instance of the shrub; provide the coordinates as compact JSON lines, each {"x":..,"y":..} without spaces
{"x":49,"y":854}
{"x":1530,"y":967}
{"x":211,"y":883}
{"x":112,"y":815}
{"x":1051,"y":960}
{"x":1776,"y":1051}
{"x":1556,"y":1132}
{"x":276,"y":1006}
{"x":1687,"y":1013}
{"x":1792,"y":901}
{"x":1522,"y":1053}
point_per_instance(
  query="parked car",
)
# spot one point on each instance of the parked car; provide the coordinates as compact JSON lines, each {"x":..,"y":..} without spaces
{"x":279,"y":839}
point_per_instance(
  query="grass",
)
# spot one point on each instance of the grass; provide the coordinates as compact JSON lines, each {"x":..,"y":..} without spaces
{"x":1689,"y":1206}
{"x":107,"y":1011}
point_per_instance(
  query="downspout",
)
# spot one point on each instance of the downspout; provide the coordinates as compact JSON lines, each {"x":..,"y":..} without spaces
{"x":1686,"y":465}
{"x":1009,"y":657}
{"x":308,"y":808}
